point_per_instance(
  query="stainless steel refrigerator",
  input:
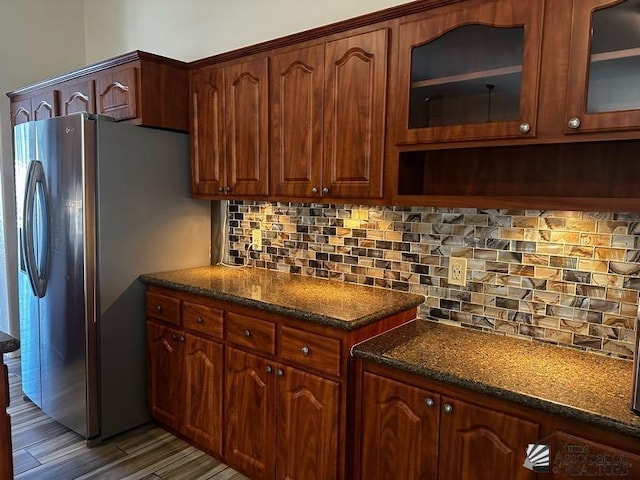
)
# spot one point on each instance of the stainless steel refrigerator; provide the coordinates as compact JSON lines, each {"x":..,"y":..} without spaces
{"x":98,"y":204}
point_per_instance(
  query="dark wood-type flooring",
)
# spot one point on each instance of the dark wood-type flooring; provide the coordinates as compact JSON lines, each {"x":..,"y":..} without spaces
{"x":44,"y":449}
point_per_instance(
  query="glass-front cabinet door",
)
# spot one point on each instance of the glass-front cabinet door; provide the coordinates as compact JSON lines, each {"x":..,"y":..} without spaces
{"x":469,"y":71}
{"x":603,"y":90}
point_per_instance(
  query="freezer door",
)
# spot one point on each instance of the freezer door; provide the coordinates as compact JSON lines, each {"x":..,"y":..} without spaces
{"x":63,"y":146}
{"x":24,"y":154}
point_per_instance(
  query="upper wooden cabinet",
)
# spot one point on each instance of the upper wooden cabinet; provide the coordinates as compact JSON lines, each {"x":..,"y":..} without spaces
{"x":138,"y":87}
{"x":604,"y":67}
{"x":328,"y":117}
{"x":229,"y":129}
{"x":469,"y":71}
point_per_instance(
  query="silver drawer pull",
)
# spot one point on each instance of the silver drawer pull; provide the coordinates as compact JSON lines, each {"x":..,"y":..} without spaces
{"x":247,"y":333}
{"x":305,"y":350}
{"x":159,"y":308}
{"x":429,"y":402}
{"x":269,"y":369}
{"x":199,"y":320}
{"x":280,"y":372}
{"x":447,"y":408}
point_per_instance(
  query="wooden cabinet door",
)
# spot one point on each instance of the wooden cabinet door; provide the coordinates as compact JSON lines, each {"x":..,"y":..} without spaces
{"x":247,"y":127}
{"x":207,"y":132}
{"x":573,"y":457}
{"x":469,"y":71}
{"x":307,"y":409}
{"x":250,"y":440}
{"x":481,"y":444}
{"x":354,"y":115}
{"x":604,"y":68}
{"x":21,"y":111}
{"x":399,"y":428}
{"x":165,"y":363}
{"x":44,"y":105}
{"x":77,"y":97}
{"x":296,"y":101}
{"x":116,"y":93}
{"x":202,"y":412}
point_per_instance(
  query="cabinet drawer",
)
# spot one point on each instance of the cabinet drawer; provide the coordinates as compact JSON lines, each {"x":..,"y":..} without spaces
{"x":163,"y":308}
{"x":310,"y":350}
{"x":251,"y":332}
{"x":203,"y":319}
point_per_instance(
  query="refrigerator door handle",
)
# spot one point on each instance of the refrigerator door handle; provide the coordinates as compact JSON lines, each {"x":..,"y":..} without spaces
{"x":37,"y":273}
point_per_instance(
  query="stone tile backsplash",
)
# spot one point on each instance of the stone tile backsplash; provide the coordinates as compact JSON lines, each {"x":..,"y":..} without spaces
{"x":569,"y":278}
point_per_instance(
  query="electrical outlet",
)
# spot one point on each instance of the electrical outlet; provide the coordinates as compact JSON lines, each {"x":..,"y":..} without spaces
{"x":458,"y":271}
{"x":256,"y":239}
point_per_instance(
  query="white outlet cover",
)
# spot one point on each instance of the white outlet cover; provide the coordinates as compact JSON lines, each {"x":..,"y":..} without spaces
{"x":457,"y":271}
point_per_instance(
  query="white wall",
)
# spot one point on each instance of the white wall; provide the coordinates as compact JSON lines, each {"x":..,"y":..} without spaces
{"x":193,"y":29}
{"x":38,"y":39}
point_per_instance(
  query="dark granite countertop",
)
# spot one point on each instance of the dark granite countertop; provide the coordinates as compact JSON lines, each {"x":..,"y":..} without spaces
{"x":327,"y":302}
{"x":587,"y":387}
{"x":8,"y":344}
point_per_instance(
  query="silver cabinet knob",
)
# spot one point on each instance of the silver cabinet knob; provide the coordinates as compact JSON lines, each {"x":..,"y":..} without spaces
{"x":280,"y":372}
{"x":429,"y":402}
{"x":325,"y":190}
{"x":269,"y":369}
{"x":158,"y":308}
{"x":247,"y":333}
{"x":525,"y":127}
{"x":227,"y":189}
{"x":174,"y":336}
{"x":182,"y":339}
{"x":314,"y":190}
{"x":305,"y":350}
{"x":574,"y":123}
{"x":447,"y":408}
{"x":220,"y":189}
{"x":199,"y":320}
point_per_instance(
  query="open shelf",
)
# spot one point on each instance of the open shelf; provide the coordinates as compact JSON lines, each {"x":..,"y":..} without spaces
{"x":606,"y":170}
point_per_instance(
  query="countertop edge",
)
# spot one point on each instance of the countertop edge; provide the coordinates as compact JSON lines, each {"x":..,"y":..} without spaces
{"x":413,"y":300}
{"x":8,"y":344}
{"x":522,"y":399}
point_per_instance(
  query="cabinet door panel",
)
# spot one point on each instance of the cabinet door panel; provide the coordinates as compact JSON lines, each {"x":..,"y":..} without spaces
{"x":604,"y":67}
{"x":296,"y":100}
{"x":44,"y":105}
{"x":481,"y":444}
{"x":249,"y":414}
{"x":306,"y":426}
{"x":207,"y":139}
{"x":21,"y":112}
{"x":399,"y":430}
{"x":203,"y":400}
{"x":116,"y":94}
{"x":77,"y":97}
{"x":247,"y":117}
{"x":164,"y":358}
{"x":354,"y":115}
{"x":495,"y":86}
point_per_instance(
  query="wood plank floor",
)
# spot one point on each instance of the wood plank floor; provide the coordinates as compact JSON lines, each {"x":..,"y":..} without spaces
{"x":44,"y":449}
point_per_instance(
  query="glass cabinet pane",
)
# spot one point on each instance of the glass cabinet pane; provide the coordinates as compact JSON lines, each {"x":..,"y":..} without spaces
{"x":614,"y":67}
{"x":469,"y":75}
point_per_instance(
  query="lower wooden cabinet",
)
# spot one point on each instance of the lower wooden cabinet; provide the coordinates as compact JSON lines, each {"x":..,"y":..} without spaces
{"x":267,"y":394}
{"x":412,"y":433}
{"x":281,"y":422}
{"x":185,"y":384}
{"x":414,"y":428}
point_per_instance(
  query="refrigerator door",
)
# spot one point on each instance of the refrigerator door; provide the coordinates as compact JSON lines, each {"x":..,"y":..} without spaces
{"x":61,"y":144}
{"x":24,"y":154}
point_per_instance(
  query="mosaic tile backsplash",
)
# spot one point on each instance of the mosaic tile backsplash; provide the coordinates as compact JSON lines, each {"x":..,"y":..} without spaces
{"x":569,"y":278}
